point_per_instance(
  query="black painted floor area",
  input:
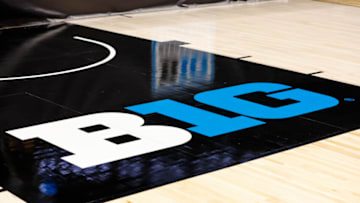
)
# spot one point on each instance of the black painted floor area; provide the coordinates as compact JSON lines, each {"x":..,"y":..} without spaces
{"x":142,"y":71}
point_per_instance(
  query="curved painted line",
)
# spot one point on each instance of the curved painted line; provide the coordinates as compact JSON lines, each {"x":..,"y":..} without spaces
{"x":112,"y":54}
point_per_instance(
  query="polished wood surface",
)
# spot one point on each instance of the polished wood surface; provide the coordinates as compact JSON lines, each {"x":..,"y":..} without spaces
{"x":299,"y":35}
{"x":344,"y":2}
{"x":325,"y":171}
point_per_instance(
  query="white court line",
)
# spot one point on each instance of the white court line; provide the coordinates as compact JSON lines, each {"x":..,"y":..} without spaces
{"x":112,"y":54}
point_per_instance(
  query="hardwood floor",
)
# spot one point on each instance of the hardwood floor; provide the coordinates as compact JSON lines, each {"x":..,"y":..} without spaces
{"x":299,"y":35}
{"x":325,"y":171}
{"x":344,"y":2}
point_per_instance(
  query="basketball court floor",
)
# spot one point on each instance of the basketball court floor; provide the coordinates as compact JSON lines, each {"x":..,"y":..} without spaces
{"x":247,"y":102}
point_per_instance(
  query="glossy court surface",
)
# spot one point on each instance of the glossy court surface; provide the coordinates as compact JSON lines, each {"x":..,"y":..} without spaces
{"x":56,"y":79}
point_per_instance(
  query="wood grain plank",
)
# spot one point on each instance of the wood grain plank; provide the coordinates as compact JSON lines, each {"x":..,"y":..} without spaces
{"x":299,"y":35}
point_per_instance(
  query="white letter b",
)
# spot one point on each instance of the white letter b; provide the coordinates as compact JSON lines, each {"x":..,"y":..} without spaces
{"x":88,"y":137}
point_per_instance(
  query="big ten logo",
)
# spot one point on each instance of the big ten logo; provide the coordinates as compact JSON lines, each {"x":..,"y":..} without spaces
{"x":104,"y":137}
